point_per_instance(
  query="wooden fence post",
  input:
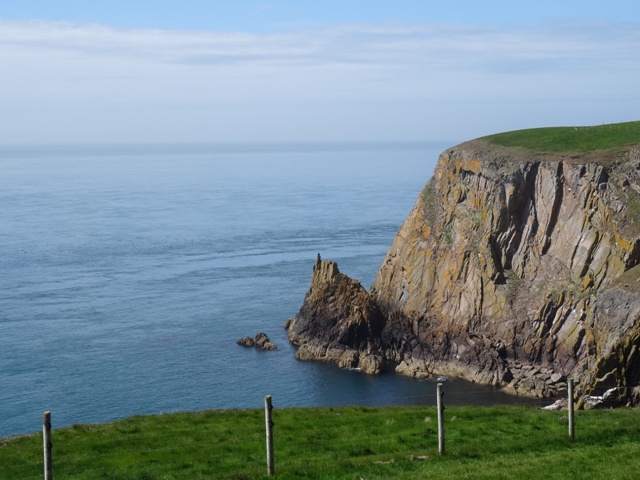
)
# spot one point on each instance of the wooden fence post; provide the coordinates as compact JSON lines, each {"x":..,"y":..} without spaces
{"x":269,"y":427}
{"x":570,"y":408}
{"x":439,"y":394}
{"x":46,"y":440}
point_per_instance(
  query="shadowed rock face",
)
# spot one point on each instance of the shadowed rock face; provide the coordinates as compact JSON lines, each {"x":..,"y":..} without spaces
{"x":509,"y":270}
{"x":338,"y":322}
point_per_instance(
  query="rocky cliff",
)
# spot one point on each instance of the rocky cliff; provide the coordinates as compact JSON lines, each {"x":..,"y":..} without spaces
{"x":513,"y":268}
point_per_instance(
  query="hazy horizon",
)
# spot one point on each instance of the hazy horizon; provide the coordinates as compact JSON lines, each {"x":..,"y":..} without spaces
{"x":282,"y":71}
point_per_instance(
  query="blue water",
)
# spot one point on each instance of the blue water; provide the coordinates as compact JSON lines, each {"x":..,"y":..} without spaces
{"x":127,"y":274}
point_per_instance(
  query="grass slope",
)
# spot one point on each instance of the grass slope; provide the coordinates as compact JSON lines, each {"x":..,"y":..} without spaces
{"x":571,"y":140}
{"x":340,"y":443}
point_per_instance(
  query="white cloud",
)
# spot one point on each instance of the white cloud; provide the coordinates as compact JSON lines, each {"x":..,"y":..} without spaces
{"x":64,"y":82}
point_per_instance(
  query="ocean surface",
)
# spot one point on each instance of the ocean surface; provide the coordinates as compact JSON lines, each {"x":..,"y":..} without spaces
{"x":128,"y":273}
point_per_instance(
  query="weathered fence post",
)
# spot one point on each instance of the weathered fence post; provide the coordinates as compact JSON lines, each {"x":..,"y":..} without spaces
{"x":46,"y":440}
{"x":269,"y":425}
{"x":439,"y":394}
{"x":570,"y":408}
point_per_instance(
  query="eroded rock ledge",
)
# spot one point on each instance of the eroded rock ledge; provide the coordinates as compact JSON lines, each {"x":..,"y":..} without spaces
{"x":510,"y":270}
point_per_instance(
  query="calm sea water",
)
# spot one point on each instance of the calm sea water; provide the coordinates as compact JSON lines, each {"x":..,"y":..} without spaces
{"x":129,"y":272}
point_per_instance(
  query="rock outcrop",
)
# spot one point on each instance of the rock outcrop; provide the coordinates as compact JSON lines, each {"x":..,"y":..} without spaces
{"x":338,"y":322}
{"x":260,"y":342}
{"x":512,"y":269}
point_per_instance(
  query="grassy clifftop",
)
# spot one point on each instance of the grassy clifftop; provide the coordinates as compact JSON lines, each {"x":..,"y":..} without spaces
{"x":571,"y":140}
{"x":339,"y":443}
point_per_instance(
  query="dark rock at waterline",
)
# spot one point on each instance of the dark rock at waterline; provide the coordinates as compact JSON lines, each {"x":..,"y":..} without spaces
{"x":261,"y":342}
{"x":246,"y":342}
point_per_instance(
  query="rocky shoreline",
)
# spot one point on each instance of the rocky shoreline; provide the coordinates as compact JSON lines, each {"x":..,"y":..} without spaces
{"x":370,"y":356}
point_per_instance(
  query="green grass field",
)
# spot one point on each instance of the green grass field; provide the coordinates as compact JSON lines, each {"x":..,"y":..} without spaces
{"x":340,"y":443}
{"x":571,"y":140}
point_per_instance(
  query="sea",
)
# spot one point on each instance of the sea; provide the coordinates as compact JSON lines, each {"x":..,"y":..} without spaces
{"x":128,"y":273}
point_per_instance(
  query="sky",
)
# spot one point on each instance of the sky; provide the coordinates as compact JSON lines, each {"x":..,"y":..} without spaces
{"x":206,"y":71}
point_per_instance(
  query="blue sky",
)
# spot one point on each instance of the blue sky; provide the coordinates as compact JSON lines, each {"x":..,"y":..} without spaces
{"x":407,"y":70}
{"x":282,"y":15}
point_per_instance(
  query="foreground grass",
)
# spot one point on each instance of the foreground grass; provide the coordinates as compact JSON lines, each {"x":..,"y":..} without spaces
{"x":571,"y":140}
{"x":340,"y":443}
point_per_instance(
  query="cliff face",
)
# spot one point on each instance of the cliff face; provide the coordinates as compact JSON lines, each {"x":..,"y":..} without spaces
{"x":508,"y":271}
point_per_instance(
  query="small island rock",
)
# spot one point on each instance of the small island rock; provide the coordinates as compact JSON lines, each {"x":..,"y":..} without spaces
{"x":261,"y":342}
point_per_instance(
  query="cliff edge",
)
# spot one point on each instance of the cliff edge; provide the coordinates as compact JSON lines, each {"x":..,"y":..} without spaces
{"x":515,"y":268}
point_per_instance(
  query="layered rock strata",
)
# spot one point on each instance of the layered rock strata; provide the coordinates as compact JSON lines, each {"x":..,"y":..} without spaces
{"x":512,"y":269}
